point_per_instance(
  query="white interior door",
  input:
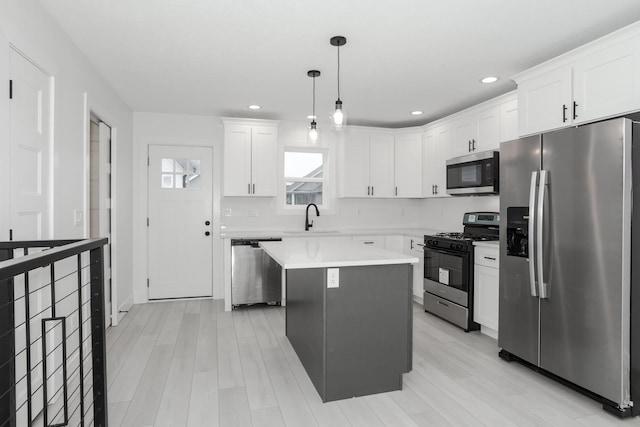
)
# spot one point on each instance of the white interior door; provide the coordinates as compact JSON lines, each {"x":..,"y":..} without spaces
{"x":31,"y":183}
{"x":100,"y":217}
{"x":180,"y":222}
{"x":30,"y":215}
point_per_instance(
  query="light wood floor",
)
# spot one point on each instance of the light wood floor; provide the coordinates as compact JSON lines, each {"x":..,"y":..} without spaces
{"x":192,"y":364}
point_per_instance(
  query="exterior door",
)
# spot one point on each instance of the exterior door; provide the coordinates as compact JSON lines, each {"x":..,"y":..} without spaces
{"x":518,"y":308}
{"x":584,"y":321}
{"x":31,"y":183}
{"x":180,"y":218}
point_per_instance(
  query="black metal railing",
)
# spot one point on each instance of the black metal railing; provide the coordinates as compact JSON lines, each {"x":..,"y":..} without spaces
{"x":52,"y":334}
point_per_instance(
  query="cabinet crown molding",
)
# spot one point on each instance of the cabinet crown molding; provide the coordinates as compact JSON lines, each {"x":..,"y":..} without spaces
{"x":249,"y":122}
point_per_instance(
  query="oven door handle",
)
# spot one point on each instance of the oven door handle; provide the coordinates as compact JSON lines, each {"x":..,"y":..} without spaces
{"x":445,"y":251}
{"x":539,"y":233}
{"x":532,"y":231}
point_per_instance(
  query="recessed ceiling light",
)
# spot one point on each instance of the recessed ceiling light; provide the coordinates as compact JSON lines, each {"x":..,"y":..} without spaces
{"x":416,"y":113}
{"x":490,"y":79}
{"x":254,"y":107}
{"x":311,"y":117}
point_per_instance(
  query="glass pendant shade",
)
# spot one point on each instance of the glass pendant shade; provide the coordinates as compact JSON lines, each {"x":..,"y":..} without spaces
{"x":338,"y":118}
{"x":313,"y":132}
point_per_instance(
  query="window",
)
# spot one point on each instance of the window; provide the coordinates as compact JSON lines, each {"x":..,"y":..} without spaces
{"x":304,"y":177}
{"x":180,"y":173}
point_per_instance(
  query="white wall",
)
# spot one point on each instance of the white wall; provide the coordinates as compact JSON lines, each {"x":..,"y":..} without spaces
{"x":171,"y":129}
{"x":30,"y":29}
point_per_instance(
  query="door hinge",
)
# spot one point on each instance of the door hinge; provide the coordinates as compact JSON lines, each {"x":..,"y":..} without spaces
{"x":10,"y":89}
{"x":147,"y":221}
{"x":147,"y":282}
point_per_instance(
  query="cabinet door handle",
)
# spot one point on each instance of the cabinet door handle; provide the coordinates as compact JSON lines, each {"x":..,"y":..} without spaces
{"x":564,"y":113}
{"x":469,"y":145}
{"x":436,"y":188}
{"x":249,"y":188}
{"x":396,"y":191}
{"x":441,"y":303}
{"x":490,"y":257}
{"x":368,"y":190}
{"x":254,"y":189}
{"x":411,"y":247}
{"x":575,"y":110}
{"x":372,"y":190}
{"x":473,"y":144}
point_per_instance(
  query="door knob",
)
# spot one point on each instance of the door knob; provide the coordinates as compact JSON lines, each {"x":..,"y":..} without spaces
{"x":207,"y":223}
{"x":206,"y":233}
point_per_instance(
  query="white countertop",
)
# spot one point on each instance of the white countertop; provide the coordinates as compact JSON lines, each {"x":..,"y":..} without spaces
{"x":491,"y":244}
{"x":252,"y":233}
{"x":320,"y":253}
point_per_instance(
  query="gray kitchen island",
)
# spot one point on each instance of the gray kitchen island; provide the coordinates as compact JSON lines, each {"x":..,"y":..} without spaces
{"x":348,"y":314}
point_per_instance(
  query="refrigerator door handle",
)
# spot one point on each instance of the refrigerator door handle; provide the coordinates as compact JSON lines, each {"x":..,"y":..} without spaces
{"x":539,"y":233}
{"x":532,"y":230}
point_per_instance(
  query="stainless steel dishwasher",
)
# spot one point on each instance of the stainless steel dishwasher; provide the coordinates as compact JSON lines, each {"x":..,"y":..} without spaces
{"x":255,"y":276}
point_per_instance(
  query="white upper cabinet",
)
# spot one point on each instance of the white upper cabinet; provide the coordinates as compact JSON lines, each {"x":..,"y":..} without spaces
{"x":437,"y":141}
{"x":607,"y":83}
{"x":367,"y":163}
{"x":509,"y":120}
{"x":594,"y":82}
{"x":477,"y":131}
{"x":408,"y":164}
{"x":381,"y":157}
{"x":544,"y":102}
{"x":378,"y":163}
{"x":250,"y":157}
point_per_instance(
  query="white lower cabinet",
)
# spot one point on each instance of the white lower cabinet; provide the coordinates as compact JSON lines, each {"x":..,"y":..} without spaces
{"x":377,"y":241}
{"x":414,"y":246}
{"x":486,"y":289}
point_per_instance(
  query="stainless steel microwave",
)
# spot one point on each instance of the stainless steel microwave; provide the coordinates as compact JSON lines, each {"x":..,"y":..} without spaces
{"x":474,"y":174}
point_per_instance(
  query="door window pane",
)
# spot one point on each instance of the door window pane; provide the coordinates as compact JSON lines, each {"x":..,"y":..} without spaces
{"x":181,"y":173}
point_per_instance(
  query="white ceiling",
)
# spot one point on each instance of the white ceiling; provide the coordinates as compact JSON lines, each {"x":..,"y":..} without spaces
{"x":215,"y":57}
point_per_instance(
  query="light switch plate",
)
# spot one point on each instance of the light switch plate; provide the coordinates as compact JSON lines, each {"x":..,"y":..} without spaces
{"x":333,"y":277}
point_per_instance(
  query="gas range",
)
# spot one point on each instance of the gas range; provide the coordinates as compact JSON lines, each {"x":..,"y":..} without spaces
{"x":478,"y":226}
{"x":448,"y":268}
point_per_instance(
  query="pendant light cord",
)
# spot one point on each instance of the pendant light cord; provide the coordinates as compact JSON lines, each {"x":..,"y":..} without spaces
{"x":338,"y":71}
{"x":313,"y":107}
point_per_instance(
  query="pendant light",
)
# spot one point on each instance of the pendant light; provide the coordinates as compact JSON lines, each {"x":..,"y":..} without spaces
{"x":338,"y":117}
{"x":313,"y":130}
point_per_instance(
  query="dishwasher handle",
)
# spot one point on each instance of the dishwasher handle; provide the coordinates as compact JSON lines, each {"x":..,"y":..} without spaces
{"x":254,"y":243}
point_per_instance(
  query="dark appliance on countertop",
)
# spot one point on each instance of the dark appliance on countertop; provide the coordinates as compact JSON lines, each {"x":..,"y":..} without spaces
{"x":474,"y":174}
{"x":255,"y":276}
{"x":448,"y":268}
{"x":570,"y":259}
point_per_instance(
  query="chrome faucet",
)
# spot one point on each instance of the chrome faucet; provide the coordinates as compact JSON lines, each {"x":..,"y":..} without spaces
{"x":307,"y":224}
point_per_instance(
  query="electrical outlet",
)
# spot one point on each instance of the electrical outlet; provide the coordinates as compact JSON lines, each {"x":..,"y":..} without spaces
{"x":333,"y":277}
{"x":78,"y":218}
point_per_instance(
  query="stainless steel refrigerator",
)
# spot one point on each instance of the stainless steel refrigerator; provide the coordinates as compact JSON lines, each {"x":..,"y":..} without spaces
{"x":565,"y":263}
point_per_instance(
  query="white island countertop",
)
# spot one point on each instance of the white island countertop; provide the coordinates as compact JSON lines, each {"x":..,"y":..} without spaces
{"x":318,"y":253}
